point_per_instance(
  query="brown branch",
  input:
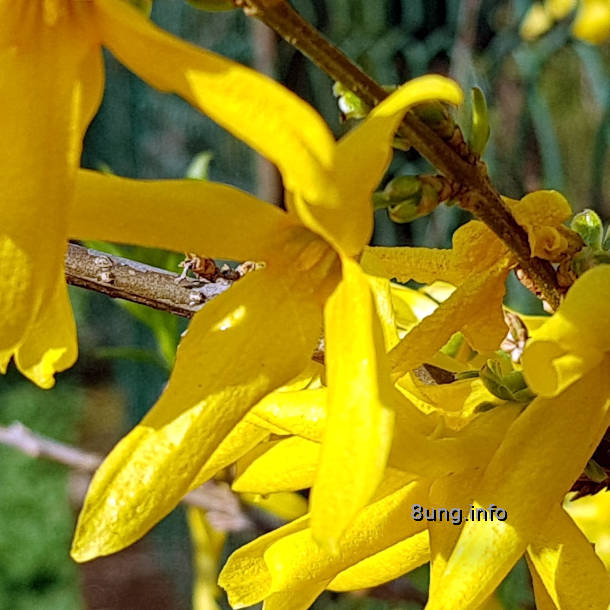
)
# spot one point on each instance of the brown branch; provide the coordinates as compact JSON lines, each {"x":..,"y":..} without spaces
{"x":454,"y":160}
{"x":121,"y":278}
{"x":221,"y":504}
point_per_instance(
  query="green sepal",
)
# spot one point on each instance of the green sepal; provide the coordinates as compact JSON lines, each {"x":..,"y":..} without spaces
{"x":479,"y":131}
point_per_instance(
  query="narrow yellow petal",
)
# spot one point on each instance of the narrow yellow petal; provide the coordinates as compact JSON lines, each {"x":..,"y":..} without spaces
{"x":257,"y":110}
{"x":573,"y":575}
{"x":541,"y":597}
{"x":243,"y":438}
{"x":592,"y":515}
{"x":299,"y":598}
{"x":286,"y":465}
{"x":50,"y":345}
{"x":245,"y":575}
{"x":453,"y":452}
{"x":404,"y":264}
{"x":301,"y":413}
{"x":214,"y":220}
{"x":382,"y":293}
{"x":475,"y":307}
{"x":363,"y":156}
{"x":359,"y":424}
{"x":288,"y":559}
{"x":564,"y":430}
{"x":232,"y":355}
{"x":574,"y":339}
{"x":453,"y":492}
{"x":284,"y":504}
{"x":297,"y":558}
{"x":207,"y":546}
{"x":396,"y":560}
{"x":44,"y":67}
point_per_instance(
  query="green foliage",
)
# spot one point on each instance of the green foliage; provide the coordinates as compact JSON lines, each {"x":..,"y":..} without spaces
{"x":36,"y":522}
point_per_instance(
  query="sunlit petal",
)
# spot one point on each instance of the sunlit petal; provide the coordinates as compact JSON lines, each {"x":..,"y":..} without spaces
{"x":257,"y":110}
{"x":359,"y":423}
{"x":50,"y":345}
{"x":564,"y":430}
{"x":233,"y":354}
{"x":567,"y":564}
{"x":214,"y":220}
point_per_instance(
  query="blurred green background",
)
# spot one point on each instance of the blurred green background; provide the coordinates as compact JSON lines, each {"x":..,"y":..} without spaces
{"x":549,"y":106}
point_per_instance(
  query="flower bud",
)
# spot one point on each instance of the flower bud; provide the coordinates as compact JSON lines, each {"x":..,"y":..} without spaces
{"x":589,"y":226}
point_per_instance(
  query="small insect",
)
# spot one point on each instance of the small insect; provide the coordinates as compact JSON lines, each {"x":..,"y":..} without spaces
{"x":202,"y":267}
{"x":206,"y":270}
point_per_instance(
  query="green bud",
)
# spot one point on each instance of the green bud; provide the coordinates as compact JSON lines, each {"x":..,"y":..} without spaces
{"x":213,"y":5}
{"x":144,"y":6}
{"x":479,"y":132}
{"x":405,"y":211}
{"x":505,"y":384}
{"x":589,"y":226}
{"x":350,"y":105}
{"x":606,"y":242}
{"x":403,"y":187}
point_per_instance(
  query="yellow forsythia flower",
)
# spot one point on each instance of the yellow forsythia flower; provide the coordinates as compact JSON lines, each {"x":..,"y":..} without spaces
{"x":261,"y":332}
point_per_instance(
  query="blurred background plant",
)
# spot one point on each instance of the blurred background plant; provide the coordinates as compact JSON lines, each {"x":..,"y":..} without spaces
{"x":548,"y":93}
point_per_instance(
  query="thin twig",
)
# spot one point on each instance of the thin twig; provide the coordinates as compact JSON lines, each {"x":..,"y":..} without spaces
{"x":122,"y":278}
{"x":221,"y":504}
{"x":455,"y":161}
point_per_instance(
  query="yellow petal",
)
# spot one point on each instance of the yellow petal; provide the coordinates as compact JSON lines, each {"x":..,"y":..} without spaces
{"x":592,"y":21}
{"x":232,"y":355}
{"x":45,"y":63}
{"x":592,"y":515}
{"x":214,"y":220}
{"x":572,"y":573}
{"x":537,"y":21}
{"x":244,"y":437}
{"x":363,"y":156}
{"x":257,"y":110}
{"x":396,"y":560}
{"x":245,"y":576}
{"x":573,"y":340}
{"x":475,"y":307}
{"x":548,"y":208}
{"x":453,"y":492}
{"x":382,"y":293}
{"x":404,"y":264}
{"x":299,"y":598}
{"x":288,"y":559}
{"x":50,"y":345}
{"x":207,"y":546}
{"x":541,"y":597}
{"x":297,"y":558}
{"x":285,"y":465}
{"x":453,"y":452}
{"x":359,"y":424}
{"x":564,"y":430}
{"x":300,"y":413}
{"x":285,"y":505}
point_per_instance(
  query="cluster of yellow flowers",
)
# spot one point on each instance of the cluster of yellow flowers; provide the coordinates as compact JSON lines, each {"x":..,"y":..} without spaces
{"x":363,"y":432}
